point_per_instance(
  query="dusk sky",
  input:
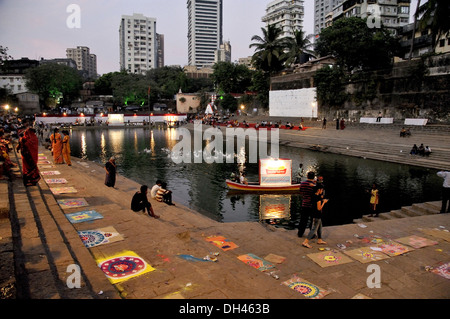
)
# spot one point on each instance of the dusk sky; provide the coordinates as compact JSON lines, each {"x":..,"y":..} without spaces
{"x":38,"y":28}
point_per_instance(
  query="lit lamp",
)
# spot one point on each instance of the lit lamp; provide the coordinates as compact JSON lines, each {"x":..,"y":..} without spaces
{"x":16,"y":109}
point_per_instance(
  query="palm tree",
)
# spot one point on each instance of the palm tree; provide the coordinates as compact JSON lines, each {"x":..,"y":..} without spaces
{"x":435,"y":15}
{"x":268,"y":50}
{"x":296,"y":47}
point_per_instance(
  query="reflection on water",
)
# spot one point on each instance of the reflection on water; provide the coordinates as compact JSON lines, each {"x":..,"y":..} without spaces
{"x":143,"y":155}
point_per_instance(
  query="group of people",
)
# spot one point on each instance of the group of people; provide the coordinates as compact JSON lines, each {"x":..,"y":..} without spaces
{"x":421,"y":150}
{"x":159,"y":192}
{"x":312,"y":191}
{"x":60,"y":147}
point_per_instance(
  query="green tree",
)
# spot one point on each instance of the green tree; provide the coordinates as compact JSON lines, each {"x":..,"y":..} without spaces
{"x":268,"y":50}
{"x":229,"y":103}
{"x":297,"y":46}
{"x":356,"y":46}
{"x":55,"y":82}
{"x":436,"y":16}
{"x":330,"y":83}
{"x":232,"y":78}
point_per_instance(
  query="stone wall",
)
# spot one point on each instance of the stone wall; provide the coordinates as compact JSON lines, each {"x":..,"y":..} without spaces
{"x":411,"y":89}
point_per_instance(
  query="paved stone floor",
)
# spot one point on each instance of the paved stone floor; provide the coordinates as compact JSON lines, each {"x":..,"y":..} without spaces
{"x":44,"y":244}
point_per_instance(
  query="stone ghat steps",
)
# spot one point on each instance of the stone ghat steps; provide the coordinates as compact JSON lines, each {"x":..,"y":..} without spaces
{"x":422,"y":209}
{"x":47,"y":247}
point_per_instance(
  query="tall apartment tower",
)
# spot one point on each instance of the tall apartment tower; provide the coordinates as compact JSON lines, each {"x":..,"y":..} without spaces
{"x":205,"y":35}
{"x":86,"y":62}
{"x":138,"y":42}
{"x":322,"y":10}
{"x":285,"y":14}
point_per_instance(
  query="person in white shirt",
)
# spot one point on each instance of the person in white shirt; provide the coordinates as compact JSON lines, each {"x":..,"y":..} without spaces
{"x":445,"y":190}
{"x":155,"y":188}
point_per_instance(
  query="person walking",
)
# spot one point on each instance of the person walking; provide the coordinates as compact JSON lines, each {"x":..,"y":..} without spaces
{"x":140,"y":202}
{"x":445,"y":190}
{"x":306,"y":192}
{"x":317,"y":203}
{"x":57,"y":147}
{"x":66,"y":148}
{"x":110,"y":168}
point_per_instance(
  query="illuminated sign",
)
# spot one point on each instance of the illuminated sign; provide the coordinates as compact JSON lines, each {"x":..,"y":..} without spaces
{"x":275,"y":172}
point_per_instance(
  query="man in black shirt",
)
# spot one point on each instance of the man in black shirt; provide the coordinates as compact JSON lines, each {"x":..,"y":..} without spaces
{"x":141,"y":203}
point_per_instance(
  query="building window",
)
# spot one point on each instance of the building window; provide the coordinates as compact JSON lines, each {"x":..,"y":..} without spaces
{"x":442,"y":43}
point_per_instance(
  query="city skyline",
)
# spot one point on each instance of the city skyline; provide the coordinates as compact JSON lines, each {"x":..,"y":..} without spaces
{"x":41,"y":30}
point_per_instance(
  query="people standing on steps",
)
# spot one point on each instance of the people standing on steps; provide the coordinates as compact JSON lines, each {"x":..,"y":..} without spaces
{"x":306,"y":192}
{"x":57,"y":147}
{"x":374,"y":200}
{"x":111,"y":168}
{"x":316,"y":213}
{"x":66,"y":148}
{"x":445,"y":191}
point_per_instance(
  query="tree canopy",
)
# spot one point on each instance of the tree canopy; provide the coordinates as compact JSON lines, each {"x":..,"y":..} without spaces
{"x":54,"y":82}
{"x":356,"y":46}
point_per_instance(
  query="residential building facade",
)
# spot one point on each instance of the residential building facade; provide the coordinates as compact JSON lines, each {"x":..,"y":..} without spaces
{"x":138,"y":43}
{"x":205,"y":34}
{"x":85,"y":60}
{"x":223,"y":54}
{"x":323,"y":10}
{"x":287,"y":15}
{"x":390,"y":13}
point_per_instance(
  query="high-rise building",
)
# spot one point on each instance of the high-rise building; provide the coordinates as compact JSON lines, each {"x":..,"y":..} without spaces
{"x":285,"y":14}
{"x":322,"y":10}
{"x":392,"y":14}
{"x":138,"y":42}
{"x":205,"y":20}
{"x":223,"y":54}
{"x":86,"y":62}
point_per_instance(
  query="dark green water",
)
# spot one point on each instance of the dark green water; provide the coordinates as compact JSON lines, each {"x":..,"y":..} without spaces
{"x":202,"y":186}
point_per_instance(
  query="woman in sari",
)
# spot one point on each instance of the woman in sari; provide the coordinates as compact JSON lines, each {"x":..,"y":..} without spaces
{"x":66,"y":148}
{"x":110,"y":168}
{"x":57,"y":147}
{"x":28,"y":147}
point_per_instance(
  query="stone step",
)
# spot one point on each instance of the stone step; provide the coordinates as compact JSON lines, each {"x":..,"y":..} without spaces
{"x":426,"y":208}
{"x":411,"y":211}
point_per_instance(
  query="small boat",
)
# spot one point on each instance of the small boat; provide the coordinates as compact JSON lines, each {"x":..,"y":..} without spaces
{"x":274,"y":176}
{"x":256,"y":187}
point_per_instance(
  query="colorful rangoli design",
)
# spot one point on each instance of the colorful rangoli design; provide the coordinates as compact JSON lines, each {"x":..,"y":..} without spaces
{"x":221,"y":242}
{"x":416,"y":241}
{"x":443,"y":270}
{"x":84,"y":216}
{"x":329,"y":258}
{"x":256,"y":262}
{"x":50,"y":173}
{"x":97,"y":237}
{"x":56,"y":181}
{"x":306,"y":288}
{"x":63,"y":190}
{"x":123,"y":266}
{"x":366,"y":254}
{"x":392,"y":248}
{"x":42,"y":162}
{"x":72,"y":203}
